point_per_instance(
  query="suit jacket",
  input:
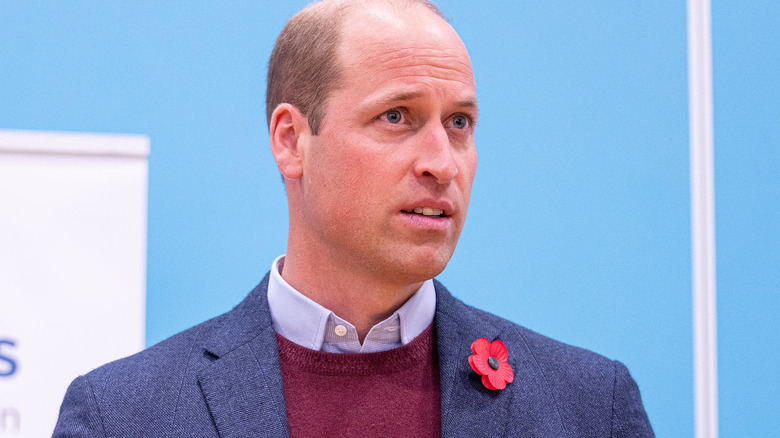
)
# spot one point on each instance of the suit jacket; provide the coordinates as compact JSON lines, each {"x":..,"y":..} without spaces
{"x":222,"y":378}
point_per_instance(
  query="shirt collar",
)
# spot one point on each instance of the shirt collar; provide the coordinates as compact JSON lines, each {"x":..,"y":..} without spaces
{"x":308,"y":324}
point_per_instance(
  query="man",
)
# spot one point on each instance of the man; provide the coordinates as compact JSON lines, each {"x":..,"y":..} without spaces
{"x":371,"y":110}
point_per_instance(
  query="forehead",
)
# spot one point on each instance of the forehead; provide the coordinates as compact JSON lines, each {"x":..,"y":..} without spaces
{"x":405,"y":44}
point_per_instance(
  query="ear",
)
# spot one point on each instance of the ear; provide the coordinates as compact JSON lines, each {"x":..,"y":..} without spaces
{"x":289,"y":131}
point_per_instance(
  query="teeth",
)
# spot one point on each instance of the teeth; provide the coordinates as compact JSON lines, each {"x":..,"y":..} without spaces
{"x":428,"y":211}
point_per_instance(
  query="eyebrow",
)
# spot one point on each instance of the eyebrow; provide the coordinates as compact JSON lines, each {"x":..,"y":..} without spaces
{"x":404,"y":96}
{"x":401,"y":96}
{"x":469,"y":102}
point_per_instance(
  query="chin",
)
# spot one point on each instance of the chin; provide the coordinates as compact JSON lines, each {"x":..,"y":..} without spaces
{"x":419,"y":269}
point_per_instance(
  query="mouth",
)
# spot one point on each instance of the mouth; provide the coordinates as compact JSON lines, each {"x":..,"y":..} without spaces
{"x":426,"y":211}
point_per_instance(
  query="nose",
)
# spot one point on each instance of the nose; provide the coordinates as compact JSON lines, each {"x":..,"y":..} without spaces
{"x":435,"y":155}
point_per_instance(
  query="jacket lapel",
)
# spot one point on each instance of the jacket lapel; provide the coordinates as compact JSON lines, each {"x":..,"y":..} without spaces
{"x":242,"y":385}
{"x":525,"y":408}
{"x":244,"y":392}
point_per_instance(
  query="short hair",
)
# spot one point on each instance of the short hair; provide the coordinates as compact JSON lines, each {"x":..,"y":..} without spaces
{"x":303,"y":69}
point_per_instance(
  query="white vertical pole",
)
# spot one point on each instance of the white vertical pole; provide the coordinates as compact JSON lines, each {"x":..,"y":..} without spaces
{"x":702,"y":219}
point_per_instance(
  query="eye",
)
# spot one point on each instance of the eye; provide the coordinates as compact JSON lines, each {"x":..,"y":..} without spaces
{"x":460,"y":122}
{"x":393,"y":116}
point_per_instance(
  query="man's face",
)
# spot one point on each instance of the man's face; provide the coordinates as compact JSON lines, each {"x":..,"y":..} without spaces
{"x":386,"y":183}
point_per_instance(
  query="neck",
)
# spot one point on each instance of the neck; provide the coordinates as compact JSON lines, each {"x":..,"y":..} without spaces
{"x":359,"y":299}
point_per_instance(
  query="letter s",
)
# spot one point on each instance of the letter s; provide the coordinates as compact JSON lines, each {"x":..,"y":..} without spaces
{"x":11,"y":367}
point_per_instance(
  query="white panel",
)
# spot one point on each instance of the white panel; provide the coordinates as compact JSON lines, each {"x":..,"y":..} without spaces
{"x":72,"y":265}
{"x":74,"y":143}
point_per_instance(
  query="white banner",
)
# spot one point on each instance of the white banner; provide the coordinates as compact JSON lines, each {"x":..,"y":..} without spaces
{"x":72,"y":265}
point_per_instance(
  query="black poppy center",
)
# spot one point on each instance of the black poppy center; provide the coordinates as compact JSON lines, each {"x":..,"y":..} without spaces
{"x":493,"y":362}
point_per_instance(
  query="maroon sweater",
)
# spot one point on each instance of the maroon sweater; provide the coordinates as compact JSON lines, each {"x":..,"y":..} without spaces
{"x":393,"y":393}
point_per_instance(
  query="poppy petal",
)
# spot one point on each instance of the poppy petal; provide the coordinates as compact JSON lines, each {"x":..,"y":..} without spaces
{"x":499,"y":350}
{"x":496,"y":380}
{"x":506,"y":372}
{"x":479,"y":364}
{"x":486,"y":382}
{"x":481,"y":347}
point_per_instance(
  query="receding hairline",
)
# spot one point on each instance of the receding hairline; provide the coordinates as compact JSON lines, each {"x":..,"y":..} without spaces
{"x":323,"y":21}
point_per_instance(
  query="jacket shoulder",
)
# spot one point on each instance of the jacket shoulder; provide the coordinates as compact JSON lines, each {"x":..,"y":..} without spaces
{"x":187,"y":349}
{"x":548,"y":352}
{"x":594,"y":395}
{"x":148,"y":390}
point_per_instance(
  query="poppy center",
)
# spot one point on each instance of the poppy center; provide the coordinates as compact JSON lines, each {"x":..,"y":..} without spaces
{"x":493,"y":362}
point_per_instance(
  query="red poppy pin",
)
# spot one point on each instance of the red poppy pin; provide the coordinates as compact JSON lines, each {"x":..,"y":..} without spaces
{"x":489,"y":361}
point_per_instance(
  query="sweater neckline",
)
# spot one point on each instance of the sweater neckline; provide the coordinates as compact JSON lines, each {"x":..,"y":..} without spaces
{"x":416,"y":353}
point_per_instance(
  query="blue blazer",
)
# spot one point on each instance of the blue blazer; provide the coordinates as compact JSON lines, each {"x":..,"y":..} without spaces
{"x":222,"y":378}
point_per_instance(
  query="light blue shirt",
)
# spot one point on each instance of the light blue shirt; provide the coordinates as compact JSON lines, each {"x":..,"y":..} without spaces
{"x":308,"y":324}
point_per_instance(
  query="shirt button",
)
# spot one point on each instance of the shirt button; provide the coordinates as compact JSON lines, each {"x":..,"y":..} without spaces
{"x":340,"y":330}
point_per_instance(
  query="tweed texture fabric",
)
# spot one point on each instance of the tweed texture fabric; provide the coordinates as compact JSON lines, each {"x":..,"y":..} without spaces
{"x":222,"y":378}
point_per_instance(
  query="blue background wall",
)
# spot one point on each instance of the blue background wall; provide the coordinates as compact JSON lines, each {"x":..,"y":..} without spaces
{"x":579,"y":222}
{"x":746,"y":74}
